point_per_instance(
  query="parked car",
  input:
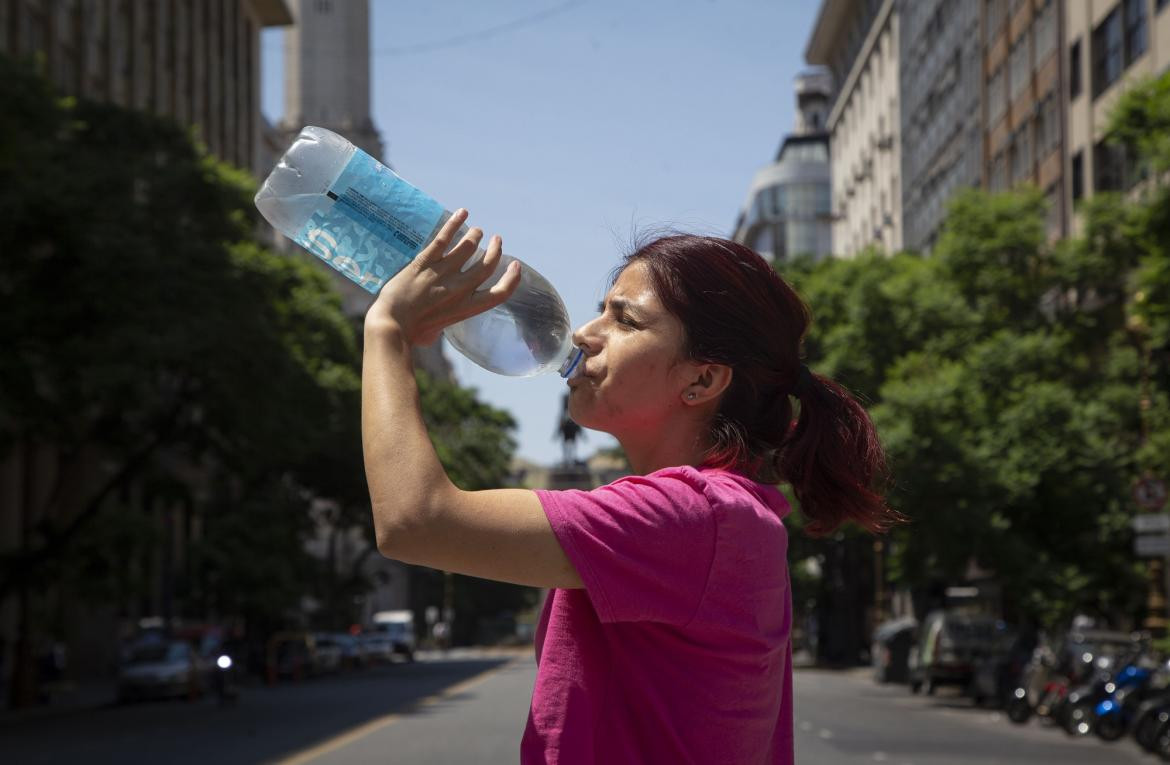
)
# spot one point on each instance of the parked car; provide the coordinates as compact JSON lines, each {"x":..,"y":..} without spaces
{"x":291,"y":655}
{"x":950,"y":645}
{"x":892,"y":642}
{"x":398,"y":626}
{"x":377,"y":647}
{"x":160,"y":669}
{"x":325,"y":653}
{"x":349,"y":649}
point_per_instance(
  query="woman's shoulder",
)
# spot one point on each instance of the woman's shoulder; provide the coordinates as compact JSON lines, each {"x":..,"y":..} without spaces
{"x":718,"y":488}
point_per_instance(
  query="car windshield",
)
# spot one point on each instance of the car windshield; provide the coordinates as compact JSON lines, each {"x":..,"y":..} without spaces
{"x":158,"y":652}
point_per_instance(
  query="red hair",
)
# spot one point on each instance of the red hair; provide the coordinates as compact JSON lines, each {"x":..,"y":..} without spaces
{"x":736,"y":310}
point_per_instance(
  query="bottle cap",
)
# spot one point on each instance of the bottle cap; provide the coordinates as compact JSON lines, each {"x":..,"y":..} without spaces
{"x":572,"y":366}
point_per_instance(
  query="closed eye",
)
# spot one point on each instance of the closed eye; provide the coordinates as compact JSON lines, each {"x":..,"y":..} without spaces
{"x":622,"y":318}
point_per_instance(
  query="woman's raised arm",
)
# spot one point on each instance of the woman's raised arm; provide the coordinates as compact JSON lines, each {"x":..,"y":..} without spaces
{"x":419,"y":515}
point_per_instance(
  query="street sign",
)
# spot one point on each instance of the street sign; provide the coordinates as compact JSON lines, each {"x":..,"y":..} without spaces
{"x":1151,"y":546}
{"x":1151,"y":523}
{"x":1150,"y":493}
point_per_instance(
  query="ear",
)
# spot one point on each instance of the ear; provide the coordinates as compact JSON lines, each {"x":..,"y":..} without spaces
{"x":708,"y":381}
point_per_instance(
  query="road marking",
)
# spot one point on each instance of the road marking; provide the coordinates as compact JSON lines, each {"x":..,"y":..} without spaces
{"x":373,"y":726}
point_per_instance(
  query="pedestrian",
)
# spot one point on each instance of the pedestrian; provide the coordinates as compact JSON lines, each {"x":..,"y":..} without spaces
{"x":666,"y":634}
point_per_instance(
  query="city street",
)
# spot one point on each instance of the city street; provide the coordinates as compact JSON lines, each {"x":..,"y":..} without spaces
{"x":843,"y":718}
{"x":471,"y":707}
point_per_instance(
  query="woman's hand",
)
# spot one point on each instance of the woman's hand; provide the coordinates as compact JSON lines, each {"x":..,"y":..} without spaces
{"x":433,"y":292}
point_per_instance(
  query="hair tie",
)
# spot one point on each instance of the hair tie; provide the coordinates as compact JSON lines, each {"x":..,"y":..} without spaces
{"x":804,"y":382}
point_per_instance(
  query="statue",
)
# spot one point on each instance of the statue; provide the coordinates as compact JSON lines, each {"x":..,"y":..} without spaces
{"x":568,"y":431}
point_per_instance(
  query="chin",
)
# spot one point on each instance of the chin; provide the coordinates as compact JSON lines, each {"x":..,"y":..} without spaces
{"x":582,"y":412}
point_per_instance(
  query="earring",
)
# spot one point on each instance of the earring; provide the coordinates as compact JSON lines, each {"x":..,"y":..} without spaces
{"x":691,"y":396}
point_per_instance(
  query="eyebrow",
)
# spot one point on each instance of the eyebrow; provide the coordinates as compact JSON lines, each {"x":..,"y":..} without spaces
{"x":620,"y":304}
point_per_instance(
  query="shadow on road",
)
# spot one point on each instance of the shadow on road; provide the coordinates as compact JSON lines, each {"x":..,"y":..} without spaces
{"x":265,"y":725}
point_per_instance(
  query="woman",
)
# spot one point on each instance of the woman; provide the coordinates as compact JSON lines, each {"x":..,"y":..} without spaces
{"x":666,"y":634}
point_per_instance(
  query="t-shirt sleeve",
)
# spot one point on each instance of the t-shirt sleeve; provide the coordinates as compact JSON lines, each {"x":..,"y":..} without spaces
{"x":643,"y":545}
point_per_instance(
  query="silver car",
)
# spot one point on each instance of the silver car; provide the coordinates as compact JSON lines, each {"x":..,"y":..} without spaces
{"x":160,"y":670}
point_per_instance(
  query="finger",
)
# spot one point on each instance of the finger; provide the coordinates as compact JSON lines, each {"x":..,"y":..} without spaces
{"x":442,"y":241}
{"x":499,"y":292}
{"x":461,"y":253}
{"x":482,"y":271}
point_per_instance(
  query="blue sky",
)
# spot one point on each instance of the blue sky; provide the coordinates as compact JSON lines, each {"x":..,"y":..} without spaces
{"x":569,"y":133}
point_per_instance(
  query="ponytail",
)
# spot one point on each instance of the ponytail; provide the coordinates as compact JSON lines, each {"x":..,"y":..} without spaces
{"x":835,"y":462}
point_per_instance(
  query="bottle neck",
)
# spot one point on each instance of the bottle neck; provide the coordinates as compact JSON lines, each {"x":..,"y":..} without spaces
{"x":572,"y":365}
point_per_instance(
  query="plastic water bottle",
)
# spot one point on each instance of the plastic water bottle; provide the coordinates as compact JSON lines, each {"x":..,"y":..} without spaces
{"x":357,"y":215}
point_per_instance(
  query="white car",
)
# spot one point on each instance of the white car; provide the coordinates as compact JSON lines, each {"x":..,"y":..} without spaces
{"x":160,"y":670}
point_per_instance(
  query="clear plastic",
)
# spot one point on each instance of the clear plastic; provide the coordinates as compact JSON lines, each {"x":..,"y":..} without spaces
{"x":365,"y":221}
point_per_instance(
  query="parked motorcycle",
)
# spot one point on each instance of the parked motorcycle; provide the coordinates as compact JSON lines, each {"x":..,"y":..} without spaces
{"x":1043,"y":684}
{"x":1125,"y":671}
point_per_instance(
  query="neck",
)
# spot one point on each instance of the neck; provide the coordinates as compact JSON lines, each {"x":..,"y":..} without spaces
{"x":675,"y":442}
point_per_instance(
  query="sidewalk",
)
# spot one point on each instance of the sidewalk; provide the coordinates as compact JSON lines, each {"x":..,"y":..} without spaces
{"x":68,"y":698}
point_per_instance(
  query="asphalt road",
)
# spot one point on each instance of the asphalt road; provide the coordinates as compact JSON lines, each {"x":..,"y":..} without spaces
{"x":843,"y":718}
{"x":471,"y":708}
{"x":267,"y":725}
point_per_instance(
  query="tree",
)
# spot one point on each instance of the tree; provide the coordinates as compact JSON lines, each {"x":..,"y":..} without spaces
{"x":149,"y":343}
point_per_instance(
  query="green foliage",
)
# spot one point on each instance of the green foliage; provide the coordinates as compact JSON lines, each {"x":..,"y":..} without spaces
{"x":1005,"y":376}
{"x":143,"y":325}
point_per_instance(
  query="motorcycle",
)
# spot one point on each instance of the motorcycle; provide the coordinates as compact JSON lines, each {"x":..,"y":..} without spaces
{"x":1115,"y":715}
{"x":1041,"y":688}
{"x":226,"y":689}
{"x":1086,"y":701}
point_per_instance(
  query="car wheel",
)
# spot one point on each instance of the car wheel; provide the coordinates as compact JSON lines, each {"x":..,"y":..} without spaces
{"x":1110,"y":727}
{"x":1019,"y":711}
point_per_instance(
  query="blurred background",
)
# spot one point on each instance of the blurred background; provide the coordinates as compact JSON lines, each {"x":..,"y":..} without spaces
{"x":970,"y":194}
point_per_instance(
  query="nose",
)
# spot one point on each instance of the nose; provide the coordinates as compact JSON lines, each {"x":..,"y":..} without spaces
{"x":588,"y":338}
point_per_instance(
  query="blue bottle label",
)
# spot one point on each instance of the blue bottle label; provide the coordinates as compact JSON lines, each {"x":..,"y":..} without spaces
{"x":372,"y":223}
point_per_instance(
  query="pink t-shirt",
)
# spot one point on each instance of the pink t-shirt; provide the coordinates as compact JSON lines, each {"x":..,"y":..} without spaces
{"x":678,"y":648}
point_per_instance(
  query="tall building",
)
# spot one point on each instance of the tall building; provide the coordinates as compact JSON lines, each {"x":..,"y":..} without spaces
{"x":327,"y":84}
{"x":788,"y":207}
{"x":1023,"y":105}
{"x":941,"y":77}
{"x":327,"y":71}
{"x":1108,"y":43}
{"x":858,"y":40}
{"x":195,"y":61}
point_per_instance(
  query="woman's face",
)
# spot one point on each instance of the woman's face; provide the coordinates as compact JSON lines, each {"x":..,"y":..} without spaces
{"x":635,"y":373}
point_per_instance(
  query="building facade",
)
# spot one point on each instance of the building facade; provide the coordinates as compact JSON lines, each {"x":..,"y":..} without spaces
{"x":788,"y":211}
{"x":858,"y":40}
{"x":940,"y":86}
{"x":197,"y":61}
{"x":1107,"y":45}
{"x":1023,"y":134}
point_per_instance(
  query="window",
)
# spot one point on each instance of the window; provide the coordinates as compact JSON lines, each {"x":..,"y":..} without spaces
{"x":996,"y":13}
{"x":1117,"y":42}
{"x":1074,"y":70}
{"x":1047,"y":127}
{"x":1107,"y":53}
{"x":1078,"y":176}
{"x":1108,"y":167}
{"x":996,"y":101}
{"x":1044,"y":31}
{"x":1019,"y":76}
{"x":1135,"y":30}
